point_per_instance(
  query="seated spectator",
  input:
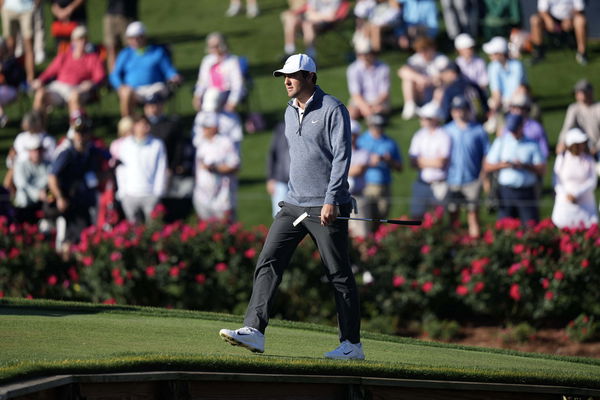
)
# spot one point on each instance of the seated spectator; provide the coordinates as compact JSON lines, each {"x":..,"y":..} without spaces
{"x":460,"y":16}
{"x":217,"y":162}
{"x":143,"y":172}
{"x":72,"y":78}
{"x":454,"y":83}
{"x":420,"y":19}
{"x":421,"y":75}
{"x":31,"y":182}
{"x":73,"y":181}
{"x":469,"y":146}
{"x":575,"y":182}
{"x":383,"y":158}
{"x":235,"y":6}
{"x":17,"y":22}
{"x":12,"y":75}
{"x":119,"y":14}
{"x":471,"y":65}
{"x":585,"y":114}
{"x":309,"y":19}
{"x":141,"y":70}
{"x":359,"y":163}
{"x":520,"y":164}
{"x":532,"y":129}
{"x":507,"y":76}
{"x":429,"y":153}
{"x":499,"y":17}
{"x":278,"y":167}
{"x":556,"y":16}
{"x":379,"y":16}
{"x":33,"y":127}
{"x":368,"y":84}
{"x":220,"y":82}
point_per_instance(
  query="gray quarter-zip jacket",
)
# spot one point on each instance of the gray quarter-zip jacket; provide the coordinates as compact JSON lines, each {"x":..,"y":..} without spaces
{"x":320,"y":150}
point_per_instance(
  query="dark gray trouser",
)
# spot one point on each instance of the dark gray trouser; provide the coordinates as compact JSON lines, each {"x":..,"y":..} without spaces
{"x":332,"y":242}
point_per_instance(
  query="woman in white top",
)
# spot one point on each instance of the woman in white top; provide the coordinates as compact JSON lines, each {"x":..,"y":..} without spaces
{"x":575,"y":182}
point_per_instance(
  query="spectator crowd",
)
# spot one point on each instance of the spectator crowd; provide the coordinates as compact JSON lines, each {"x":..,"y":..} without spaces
{"x":480,"y":127}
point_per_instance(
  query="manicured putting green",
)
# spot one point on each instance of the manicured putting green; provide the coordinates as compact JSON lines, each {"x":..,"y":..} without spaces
{"x":44,"y":338}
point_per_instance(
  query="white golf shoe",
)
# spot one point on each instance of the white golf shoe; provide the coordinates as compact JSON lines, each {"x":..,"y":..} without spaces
{"x":247,"y":337}
{"x":347,"y":351}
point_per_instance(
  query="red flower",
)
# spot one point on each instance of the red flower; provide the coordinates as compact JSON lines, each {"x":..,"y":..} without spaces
{"x":436,"y":272}
{"x":586,"y":319}
{"x":372,"y":251}
{"x":478,"y":266}
{"x":110,"y":301}
{"x":585,"y":263}
{"x":221,"y":267}
{"x":52,"y":279}
{"x":479,"y":286}
{"x":515,"y":291}
{"x":174,"y":271}
{"x":155,"y":237}
{"x":398,"y":280}
{"x":116,"y":272}
{"x":425,"y":249}
{"x":119,"y":281}
{"x":427,"y":286}
{"x":250,"y":253}
{"x":13,"y":253}
{"x":545,"y":283}
{"x":1,"y":294}
{"x":115,"y":256}
{"x":549,"y":295}
{"x":559,"y":275}
{"x":514,"y":269}
{"x":232,"y":250}
{"x":217,"y":237}
{"x":488,"y":237}
{"x":462,"y":290}
{"x":150,"y":271}
{"x":201,"y":279}
{"x":87,"y":261}
{"x":163,"y":256}
{"x":158,"y":211}
{"x":518,"y":248}
{"x":73,"y":274}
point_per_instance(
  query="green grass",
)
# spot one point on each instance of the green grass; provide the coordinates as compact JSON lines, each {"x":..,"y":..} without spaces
{"x":39,"y":338}
{"x":185,"y":23}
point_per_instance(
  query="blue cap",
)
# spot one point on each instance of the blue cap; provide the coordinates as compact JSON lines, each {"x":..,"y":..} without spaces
{"x":513,"y":122}
{"x":459,"y":102}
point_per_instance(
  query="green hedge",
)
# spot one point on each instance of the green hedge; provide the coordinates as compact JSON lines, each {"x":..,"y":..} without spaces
{"x":513,"y":273}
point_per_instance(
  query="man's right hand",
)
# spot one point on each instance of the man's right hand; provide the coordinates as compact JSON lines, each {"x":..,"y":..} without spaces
{"x":62,"y":204}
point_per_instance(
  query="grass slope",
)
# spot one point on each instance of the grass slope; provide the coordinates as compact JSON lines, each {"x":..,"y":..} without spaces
{"x":39,"y":338}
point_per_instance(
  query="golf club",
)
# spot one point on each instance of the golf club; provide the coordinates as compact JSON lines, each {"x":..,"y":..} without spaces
{"x":405,"y":222}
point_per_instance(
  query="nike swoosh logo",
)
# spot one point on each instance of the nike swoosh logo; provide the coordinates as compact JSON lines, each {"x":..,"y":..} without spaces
{"x":314,"y":122}
{"x":243,"y":334}
{"x":347,"y":353}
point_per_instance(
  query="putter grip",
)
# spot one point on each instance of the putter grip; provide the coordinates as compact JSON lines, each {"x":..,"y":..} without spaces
{"x":404,"y":222}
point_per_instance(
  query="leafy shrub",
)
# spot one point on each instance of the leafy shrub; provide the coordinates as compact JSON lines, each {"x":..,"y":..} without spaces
{"x":443,"y":330}
{"x":520,"y":333}
{"x":583,"y":329}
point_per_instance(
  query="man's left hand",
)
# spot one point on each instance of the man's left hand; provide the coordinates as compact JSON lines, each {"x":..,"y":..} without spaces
{"x":329,"y":213}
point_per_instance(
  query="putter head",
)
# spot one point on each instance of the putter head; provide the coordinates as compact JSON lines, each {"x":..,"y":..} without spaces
{"x":301,"y":218}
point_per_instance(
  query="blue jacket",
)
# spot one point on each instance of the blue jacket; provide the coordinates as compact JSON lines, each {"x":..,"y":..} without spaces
{"x":137,"y":68}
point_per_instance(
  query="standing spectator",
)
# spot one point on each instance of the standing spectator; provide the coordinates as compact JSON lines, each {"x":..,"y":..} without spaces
{"x":68,"y":14}
{"x":217,"y":162}
{"x":31,"y":182}
{"x":429,"y":153}
{"x":78,"y":74}
{"x":356,"y":181}
{"x":507,"y":76}
{"x":521,"y":165}
{"x":469,"y":147}
{"x":499,"y":17}
{"x":420,"y":19}
{"x":454,"y":83}
{"x":471,"y":65}
{"x":141,"y":70}
{"x":556,"y":16}
{"x":143,"y":163}
{"x":17,"y":19}
{"x":584,"y":114}
{"x":220,"y":82}
{"x":317,"y":13}
{"x":73,"y":181}
{"x":228,"y":124}
{"x":12,"y":76}
{"x":384,"y":157}
{"x":235,"y":6}
{"x":460,"y":16}
{"x":124,"y":129}
{"x":575,"y":182}
{"x":119,"y":14}
{"x":421,"y":75}
{"x":368,"y":84}
{"x":278,"y":167}
{"x":520,"y":104}
{"x":33,"y":127}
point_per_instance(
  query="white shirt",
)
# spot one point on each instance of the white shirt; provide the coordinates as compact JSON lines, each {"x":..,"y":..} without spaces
{"x":216,"y":190}
{"x":143,"y":169}
{"x":20,"y":143}
{"x":301,"y":110}
{"x":575,"y":175}
{"x":231,"y":73}
{"x":431,"y":144}
{"x":561,"y":9}
{"x":18,"y":6}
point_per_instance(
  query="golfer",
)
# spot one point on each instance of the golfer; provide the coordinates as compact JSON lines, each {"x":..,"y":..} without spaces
{"x":317,"y":127}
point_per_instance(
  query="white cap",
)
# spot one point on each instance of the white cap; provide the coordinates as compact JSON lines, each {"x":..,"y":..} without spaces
{"x":33,"y":142}
{"x":208,"y":119}
{"x":464,"y":41}
{"x":495,"y":46}
{"x":574,"y":136}
{"x":430,"y":110}
{"x":79,"y":32}
{"x":135,"y":29}
{"x":295,"y":63}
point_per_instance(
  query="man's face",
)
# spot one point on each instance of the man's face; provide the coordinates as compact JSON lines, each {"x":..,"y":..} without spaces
{"x":296,"y":83}
{"x":79,"y":43}
{"x":210,"y":132}
{"x":428,"y":123}
{"x":466,"y":53}
{"x":584,"y":96}
{"x":459,"y":114}
{"x":153,"y":109}
{"x":136,"y":42}
{"x":35,"y":155}
{"x":141,"y":129}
